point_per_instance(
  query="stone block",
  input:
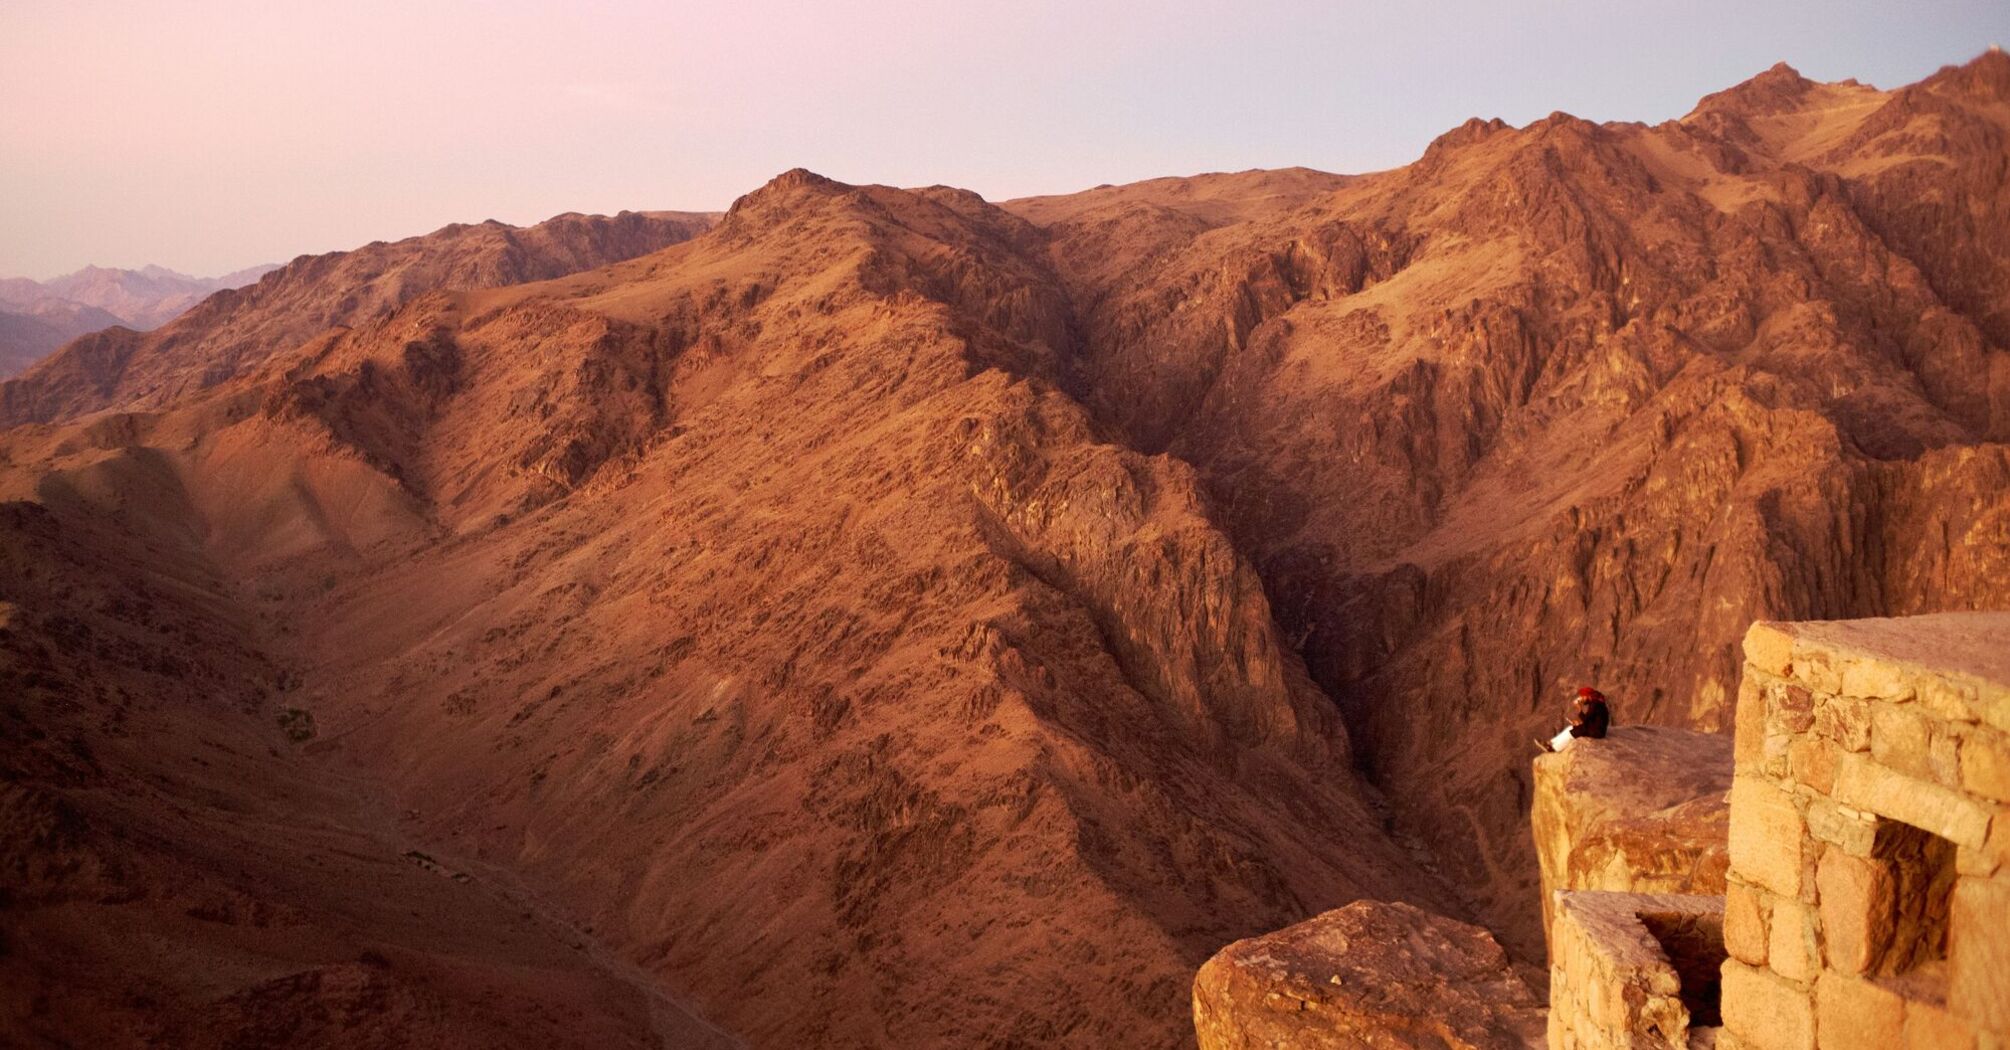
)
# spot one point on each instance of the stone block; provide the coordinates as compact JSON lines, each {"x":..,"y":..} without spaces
{"x":1948,"y":699}
{"x":1844,"y":722}
{"x":1878,"y":679}
{"x":1864,"y":784}
{"x":1854,"y":1014}
{"x":1943,"y":757}
{"x":1745,"y":932}
{"x":1985,"y":764}
{"x":1773,"y":759}
{"x":1790,"y":951}
{"x":1855,"y":910}
{"x":1854,"y":831}
{"x":1978,"y":953}
{"x":1749,"y":739}
{"x":1766,"y":833}
{"x":1766,"y":1012}
{"x":1790,"y":708}
{"x":1974,"y":862}
{"x":1812,"y":761}
{"x":1770,"y":648}
{"x":1900,"y":738}
{"x":1992,"y":706}
{"x":1929,"y":1027}
{"x":1329,"y":981}
{"x":1818,"y":668}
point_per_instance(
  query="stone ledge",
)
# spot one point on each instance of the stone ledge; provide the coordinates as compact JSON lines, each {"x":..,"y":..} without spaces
{"x":1615,"y":975}
{"x":1642,"y":811}
{"x":1957,"y":664}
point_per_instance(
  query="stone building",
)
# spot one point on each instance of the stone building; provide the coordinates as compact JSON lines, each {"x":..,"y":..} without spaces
{"x":1867,"y":901}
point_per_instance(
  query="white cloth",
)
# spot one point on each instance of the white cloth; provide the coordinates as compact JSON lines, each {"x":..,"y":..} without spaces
{"x":1561,"y":740}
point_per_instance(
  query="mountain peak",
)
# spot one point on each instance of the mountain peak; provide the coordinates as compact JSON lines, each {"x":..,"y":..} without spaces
{"x":1781,"y":87}
{"x":1985,"y":77}
{"x":1473,"y":130}
{"x":791,"y":183}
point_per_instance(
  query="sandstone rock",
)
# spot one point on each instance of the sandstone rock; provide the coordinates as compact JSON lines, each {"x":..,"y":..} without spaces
{"x":1641,"y":811}
{"x":1864,"y":784}
{"x":1633,"y":969}
{"x":1853,"y":830}
{"x":1745,"y":934}
{"x":1812,"y":761}
{"x":1854,"y":1014}
{"x":1846,"y":722}
{"x":1852,"y":894}
{"x":1985,"y":764}
{"x":1954,"y":662}
{"x":1369,"y":974}
{"x":1901,"y":739}
{"x":1790,"y":950}
{"x":1769,"y":649}
{"x":1931,"y":1027}
{"x":1765,"y":835}
{"x":1979,"y":952}
{"x":1764,"y":1011}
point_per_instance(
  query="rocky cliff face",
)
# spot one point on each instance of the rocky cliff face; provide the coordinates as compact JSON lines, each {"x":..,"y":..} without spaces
{"x":890,"y":618}
{"x":1576,"y":402}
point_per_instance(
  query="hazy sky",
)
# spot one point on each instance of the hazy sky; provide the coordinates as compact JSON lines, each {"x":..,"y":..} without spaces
{"x":208,"y":135}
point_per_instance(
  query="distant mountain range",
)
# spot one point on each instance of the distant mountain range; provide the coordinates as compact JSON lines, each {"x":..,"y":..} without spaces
{"x":36,"y":317}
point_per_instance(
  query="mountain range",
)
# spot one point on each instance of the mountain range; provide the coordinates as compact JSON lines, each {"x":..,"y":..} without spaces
{"x":882,"y":616}
{"x":36,"y":317}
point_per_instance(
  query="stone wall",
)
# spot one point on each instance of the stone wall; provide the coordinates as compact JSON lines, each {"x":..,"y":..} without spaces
{"x":1868,"y":899}
{"x":1632,"y":970}
{"x":1642,"y":811}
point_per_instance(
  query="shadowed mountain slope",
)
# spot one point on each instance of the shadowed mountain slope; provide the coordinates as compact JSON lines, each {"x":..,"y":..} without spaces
{"x":766,"y":604}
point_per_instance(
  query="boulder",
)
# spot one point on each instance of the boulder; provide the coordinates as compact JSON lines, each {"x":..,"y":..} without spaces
{"x":1371,"y":974}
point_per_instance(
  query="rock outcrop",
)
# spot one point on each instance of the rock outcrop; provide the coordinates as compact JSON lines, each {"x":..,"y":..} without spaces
{"x":1644,"y":810}
{"x":1370,"y":974}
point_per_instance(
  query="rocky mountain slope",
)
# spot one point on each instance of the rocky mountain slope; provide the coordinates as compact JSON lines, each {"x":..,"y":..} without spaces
{"x":890,"y":618}
{"x":226,"y":333}
{"x":1575,"y":403}
{"x":767,"y":604}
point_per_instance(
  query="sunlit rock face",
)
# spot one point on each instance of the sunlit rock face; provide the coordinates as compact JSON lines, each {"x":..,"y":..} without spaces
{"x":1368,"y":974}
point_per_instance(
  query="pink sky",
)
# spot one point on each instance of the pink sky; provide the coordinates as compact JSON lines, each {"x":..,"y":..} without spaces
{"x":208,"y":135}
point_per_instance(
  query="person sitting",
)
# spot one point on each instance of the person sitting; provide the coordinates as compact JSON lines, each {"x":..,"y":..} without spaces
{"x":1589,"y":717}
